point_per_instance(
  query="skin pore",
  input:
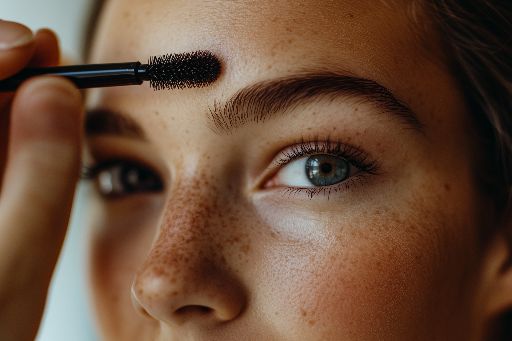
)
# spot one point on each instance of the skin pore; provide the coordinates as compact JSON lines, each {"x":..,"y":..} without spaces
{"x":224,"y":242}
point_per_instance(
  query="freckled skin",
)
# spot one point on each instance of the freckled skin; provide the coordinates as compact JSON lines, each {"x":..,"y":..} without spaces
{"x":395,"y":256}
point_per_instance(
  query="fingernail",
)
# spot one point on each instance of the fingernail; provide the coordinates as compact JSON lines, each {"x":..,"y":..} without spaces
{"x":13,"y":35}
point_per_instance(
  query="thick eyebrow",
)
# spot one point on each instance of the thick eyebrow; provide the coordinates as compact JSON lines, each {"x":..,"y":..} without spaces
{"x":259,"y":102}
{"x":102,"y":121}
{"x":264,"y":100}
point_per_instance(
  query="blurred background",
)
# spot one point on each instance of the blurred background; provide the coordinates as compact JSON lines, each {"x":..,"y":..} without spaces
{"x":67,"y":316}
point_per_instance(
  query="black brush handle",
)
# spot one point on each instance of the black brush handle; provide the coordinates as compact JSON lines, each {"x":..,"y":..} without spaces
{"x":84,"y":76}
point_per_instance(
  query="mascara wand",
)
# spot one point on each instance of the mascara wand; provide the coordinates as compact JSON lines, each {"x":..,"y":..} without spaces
{"x":171,"y":71}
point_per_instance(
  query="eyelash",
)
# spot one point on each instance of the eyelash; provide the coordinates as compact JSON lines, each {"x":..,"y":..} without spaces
{"x":355,"y":156}
{"x":89,"y":172}
{"x":352,"y":154}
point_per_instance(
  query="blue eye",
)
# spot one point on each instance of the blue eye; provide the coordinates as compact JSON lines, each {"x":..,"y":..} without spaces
{"x":326,"y":170}
{"x":120,"y":178}
{"x":314,"y":171}
{"x":318,"y":166}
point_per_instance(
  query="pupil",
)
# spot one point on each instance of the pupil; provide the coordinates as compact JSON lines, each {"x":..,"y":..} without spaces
{"x":325,"y":169}
{"x":137,"y":179}
{"x":132,"y":177}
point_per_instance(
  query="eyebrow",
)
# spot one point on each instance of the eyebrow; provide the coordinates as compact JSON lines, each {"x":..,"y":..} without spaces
{"x":103,"y":121}
{"x":264,"y":100}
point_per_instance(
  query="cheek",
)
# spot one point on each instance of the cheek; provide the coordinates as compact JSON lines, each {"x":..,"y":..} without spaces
{"x":370,"y":288}
{"x":378,"y":276}
{"x":350,"y":288}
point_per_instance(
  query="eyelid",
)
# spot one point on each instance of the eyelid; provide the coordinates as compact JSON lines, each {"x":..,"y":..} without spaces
{"x":326,"y":146}
{"x":103,"y":148}
{"x":89,"y":172}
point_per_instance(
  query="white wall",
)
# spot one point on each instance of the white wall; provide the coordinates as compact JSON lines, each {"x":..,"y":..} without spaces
{"x":67,"y":316}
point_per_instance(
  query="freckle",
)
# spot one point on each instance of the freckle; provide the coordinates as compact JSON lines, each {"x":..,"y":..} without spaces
{"x":303,"y":312}
{"x":158,"y":271}
{"x":350,"y":15}
{"x":245,"y":249}
{"x":311,"y":322}
{"x":447,"y":187}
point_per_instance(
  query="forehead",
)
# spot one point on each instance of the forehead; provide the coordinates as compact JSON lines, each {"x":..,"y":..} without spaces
{"x":331,"y":32}
{"x":380,"y":40}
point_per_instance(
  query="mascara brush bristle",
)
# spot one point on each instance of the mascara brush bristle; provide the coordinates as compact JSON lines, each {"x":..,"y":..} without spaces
{"x":185,"y":70}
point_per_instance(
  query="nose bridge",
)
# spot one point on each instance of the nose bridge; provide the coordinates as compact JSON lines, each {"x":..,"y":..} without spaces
{"x":184,"y":235}
{"x":187,"y":215}
{"x":185,"y":266}
{"x":185,"y":232}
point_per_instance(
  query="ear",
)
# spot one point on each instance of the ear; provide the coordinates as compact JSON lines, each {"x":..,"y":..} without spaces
{"x":498,"y":270}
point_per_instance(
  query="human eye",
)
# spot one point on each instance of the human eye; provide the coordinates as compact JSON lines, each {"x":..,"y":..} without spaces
{"x":320,"y":167}
{"x":119,"y":178}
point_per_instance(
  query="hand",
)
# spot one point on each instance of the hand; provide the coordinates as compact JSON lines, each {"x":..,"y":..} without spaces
{"x":40,"y":136}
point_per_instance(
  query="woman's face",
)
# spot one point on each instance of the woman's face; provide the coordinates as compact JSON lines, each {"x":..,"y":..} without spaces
{"x":320,"y":189}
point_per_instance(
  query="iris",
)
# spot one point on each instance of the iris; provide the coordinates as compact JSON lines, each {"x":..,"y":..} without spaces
{"x":326,"y":170}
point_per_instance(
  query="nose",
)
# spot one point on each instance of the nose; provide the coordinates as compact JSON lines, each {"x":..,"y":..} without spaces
{"x":184,"y":278}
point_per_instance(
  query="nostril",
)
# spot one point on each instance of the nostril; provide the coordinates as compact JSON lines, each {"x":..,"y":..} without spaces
{"x":200,"y":310}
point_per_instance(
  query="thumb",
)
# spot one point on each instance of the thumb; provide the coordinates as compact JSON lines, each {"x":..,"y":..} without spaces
{"x":35,"y":203}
